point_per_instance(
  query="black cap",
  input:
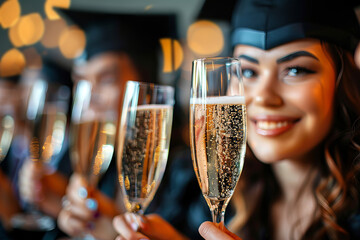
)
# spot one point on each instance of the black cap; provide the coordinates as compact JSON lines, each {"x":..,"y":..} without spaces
{"x":269,"y":23}
{"x":121,"y":32}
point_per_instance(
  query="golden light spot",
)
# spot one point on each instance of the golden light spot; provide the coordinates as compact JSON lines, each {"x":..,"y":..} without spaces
{"x":98,"y":162}
{"x":14,"y":36}
{"x":172,"y":54}
{"x":47,"y":149}
{"x":127,"y":183}
{"x":49,"y":7}
{"x":148,"y":7}
{"x":53,"y":30}
{"x":205,"y":38}
{"x":31,"y":28}
{"x":12,"y":63}
{"x":10,"y":12}
{"x":72,"y":42}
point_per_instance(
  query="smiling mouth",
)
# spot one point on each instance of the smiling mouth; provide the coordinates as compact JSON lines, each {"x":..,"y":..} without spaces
{"x":273,"y":127}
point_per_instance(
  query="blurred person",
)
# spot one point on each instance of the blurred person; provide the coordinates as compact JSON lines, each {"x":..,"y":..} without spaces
{"x":119,"y":48}
{"x":44,"y":185}
{"x":9,"y":204}
{"x":39,"y":187}
{"x":302,"y":89}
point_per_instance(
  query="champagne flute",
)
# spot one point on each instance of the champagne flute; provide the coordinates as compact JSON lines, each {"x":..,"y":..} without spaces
{"x":217,"y":130}
{"x":93,"y":131}
{"x":144,"y":137}
{"x":46,"y":120}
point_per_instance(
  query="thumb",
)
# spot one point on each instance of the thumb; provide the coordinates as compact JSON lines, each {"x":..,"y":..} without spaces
{"x":210,"y":231}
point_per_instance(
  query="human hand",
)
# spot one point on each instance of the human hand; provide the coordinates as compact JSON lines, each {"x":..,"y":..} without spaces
{"x":30,"y":187}
{"x":134,"y":227}
{"x":41,"y":187}
{"x":209,"y":231}
{"x":81,"y":213}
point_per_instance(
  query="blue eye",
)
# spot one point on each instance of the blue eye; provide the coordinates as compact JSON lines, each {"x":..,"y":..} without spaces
{"x":248,"y":73}
{"x":298,"y":71}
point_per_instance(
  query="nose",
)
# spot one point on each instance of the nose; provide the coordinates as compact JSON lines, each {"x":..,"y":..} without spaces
{"x":266,"y":93}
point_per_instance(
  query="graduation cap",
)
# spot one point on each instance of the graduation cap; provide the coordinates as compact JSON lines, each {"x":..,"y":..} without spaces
{"x":269,"y":23}
{"x":121,"y":32}
{"x":135,"y":34}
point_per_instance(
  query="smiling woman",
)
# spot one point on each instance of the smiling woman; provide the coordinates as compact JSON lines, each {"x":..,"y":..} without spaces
{"x":302,"y":91}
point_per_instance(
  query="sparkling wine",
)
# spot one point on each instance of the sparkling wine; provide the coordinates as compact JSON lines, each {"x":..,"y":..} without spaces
{"x":218,"y":138}
{"x":49,"y":134}
{"x":144,"y":147}
{"x":92,"y":148}
{"x":6,"y":134}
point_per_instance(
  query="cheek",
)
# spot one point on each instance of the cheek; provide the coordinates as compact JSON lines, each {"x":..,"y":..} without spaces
{"x":316,"y":102}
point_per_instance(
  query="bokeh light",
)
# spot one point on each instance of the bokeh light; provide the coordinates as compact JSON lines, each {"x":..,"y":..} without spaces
{"x":72,"y":42}
{"x":31,"y":28}
{"x":12,"y":63}
{"x":173,"y":55}
{"x":14,"y":36}
{"x":49,"y":7}
{"x":205,"y":38}
{"x":10,"y":12}
{"x":53,"y":30}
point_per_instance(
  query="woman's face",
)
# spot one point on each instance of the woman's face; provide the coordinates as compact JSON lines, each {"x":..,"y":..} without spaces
{"x":289,"y":93}
{"x":108,"y":73}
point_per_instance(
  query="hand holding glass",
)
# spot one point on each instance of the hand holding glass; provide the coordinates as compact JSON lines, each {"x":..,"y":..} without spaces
{"x":217,"y":130}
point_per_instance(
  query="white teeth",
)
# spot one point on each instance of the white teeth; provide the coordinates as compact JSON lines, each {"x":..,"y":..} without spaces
{"x":265,"y":125}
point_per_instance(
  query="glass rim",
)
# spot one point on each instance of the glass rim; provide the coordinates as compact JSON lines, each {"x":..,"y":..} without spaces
{"x":152,"y":85}
{"x":210,"y":59}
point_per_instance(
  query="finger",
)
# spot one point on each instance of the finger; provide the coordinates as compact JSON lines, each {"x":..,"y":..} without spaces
{"x":76,"y":190}
{"x":126,"y":229}
{"x":70,"y":224}
{"x":209,"y":231}
{"x":85,"y":212}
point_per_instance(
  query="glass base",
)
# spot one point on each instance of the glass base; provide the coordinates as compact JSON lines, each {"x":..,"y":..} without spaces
{"x":33,"y":222}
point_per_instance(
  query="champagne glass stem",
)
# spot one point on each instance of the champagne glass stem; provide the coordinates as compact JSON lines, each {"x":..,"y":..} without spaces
{"x":217,"y":208}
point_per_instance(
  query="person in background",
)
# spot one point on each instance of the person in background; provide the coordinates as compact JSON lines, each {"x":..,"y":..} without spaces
{"x":114,"y":54}
{"x":45,"y":185}
{"x":302,"y":90}
{"x":9,"y":204}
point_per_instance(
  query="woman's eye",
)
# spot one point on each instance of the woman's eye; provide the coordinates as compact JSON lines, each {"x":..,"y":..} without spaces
{"x":298,"y":71}
{"x":248,"y":73}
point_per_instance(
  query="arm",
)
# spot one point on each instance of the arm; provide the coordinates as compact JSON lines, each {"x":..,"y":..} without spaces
{"x":8,"y":202}
{"x":131,"y":227}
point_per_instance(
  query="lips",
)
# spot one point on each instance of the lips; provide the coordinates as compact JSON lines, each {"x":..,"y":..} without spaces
{"x":273,"y":125}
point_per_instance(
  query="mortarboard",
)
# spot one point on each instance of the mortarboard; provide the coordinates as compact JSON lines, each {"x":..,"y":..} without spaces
{"x":135,"y":34}
{"x":269,"y":23}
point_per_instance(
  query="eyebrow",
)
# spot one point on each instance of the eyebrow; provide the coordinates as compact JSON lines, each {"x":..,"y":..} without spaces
{"x":250,"y":59}
{"x":291,"y":56}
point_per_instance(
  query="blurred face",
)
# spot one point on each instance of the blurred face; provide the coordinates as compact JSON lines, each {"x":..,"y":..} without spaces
{"x":108,"y":74}
{"x":289,"y":94}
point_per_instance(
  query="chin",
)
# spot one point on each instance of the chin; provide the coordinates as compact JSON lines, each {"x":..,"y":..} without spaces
{"x":267,"y":156}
